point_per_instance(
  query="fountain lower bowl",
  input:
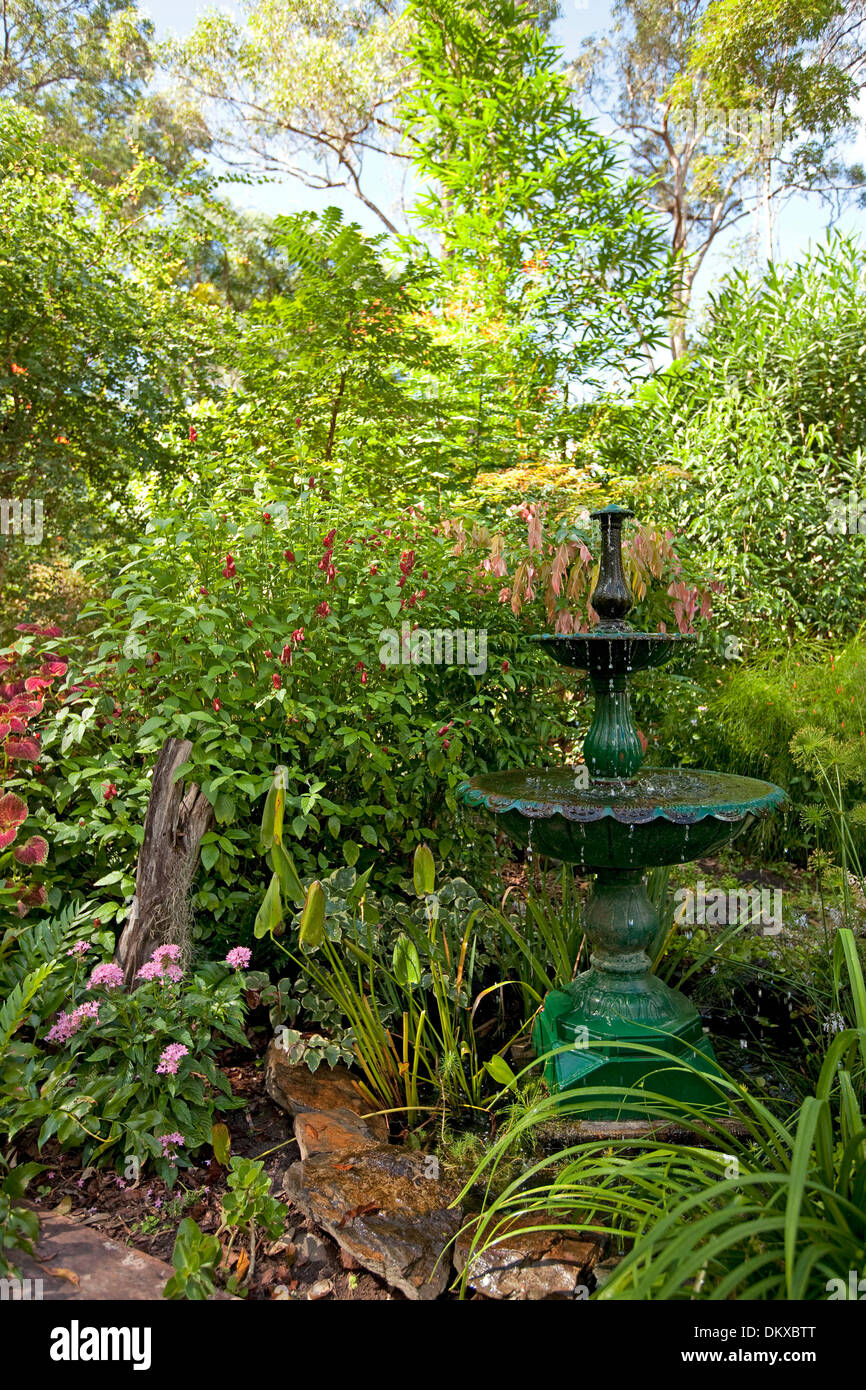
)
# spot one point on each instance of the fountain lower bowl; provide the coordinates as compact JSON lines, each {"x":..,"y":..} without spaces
{"x":660,"y":816}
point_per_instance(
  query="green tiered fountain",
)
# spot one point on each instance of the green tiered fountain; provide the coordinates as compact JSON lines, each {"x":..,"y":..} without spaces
{"x":615,"y":823}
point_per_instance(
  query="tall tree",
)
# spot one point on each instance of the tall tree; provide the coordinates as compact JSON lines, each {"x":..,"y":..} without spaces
{"x":728,"y":107}
{"x":85,"y":67}
{"x":101,"y":347}
{"x":550,"y":250}
{"x":303,"y":87}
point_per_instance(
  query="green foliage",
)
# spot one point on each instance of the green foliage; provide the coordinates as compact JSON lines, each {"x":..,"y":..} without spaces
{"x":797,"y":718}
{"x":267,"y":658}
{"x":403,"y":983}
{"x":195,"y":1258}
{"x":545,"y":935}
{"x":299,"y":86}
{"x":101,"y":346}
{"x":19,"y":1226}
{"x":85,"y":69}
{"x":777,"y":1215}
{"x":747,"y":446}
{"x":248,"y":1204}
{"x":342,"y":359}
{"x":248,"y":1211}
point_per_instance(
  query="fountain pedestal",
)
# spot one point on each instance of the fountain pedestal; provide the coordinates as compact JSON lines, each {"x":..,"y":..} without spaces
{"x":614,"y":1017}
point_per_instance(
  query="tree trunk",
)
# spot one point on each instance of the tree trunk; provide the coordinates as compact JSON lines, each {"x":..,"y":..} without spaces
{"x":176,"y":820}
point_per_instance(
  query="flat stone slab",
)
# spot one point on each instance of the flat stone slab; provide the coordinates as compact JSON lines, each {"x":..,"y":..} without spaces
{"x":332,"y":1132}
{"x":74,"y":1262}
{"x":296,"y":1089}
{"x":530,"y":1262}
{"x":386,"y":1209}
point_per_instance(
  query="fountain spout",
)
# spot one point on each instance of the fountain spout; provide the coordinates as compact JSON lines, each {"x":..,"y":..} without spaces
{"x":611,"y":598}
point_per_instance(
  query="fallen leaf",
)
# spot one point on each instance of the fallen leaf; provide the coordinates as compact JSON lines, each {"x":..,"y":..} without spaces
{"x":357,"y":1211}
{"x":63,"y":1208}
{"x":242,"y":1265}
{"x":222,"y":1144}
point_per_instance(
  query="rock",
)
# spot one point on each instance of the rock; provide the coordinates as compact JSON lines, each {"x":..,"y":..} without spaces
{"x":297,"y":1090}
{"x":383,"y":1210}
{"x":311,"y":1249}
{"x":321,"y":1289}
{"x":602,"y":1272}
{"x":332,"y":1131}
{"x":534,"y":1264}
{"x":73,"y":1262}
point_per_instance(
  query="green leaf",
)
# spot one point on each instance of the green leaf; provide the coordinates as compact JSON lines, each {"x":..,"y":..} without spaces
{"x":221,"y":1142}
{"x":407,"y":966}
{"x":272,"y":816}
{"x":209,"y":855}
{"x":313,"y":916}
{"x":283,"y":865}
{"x":270,"y":914}
{"x":424,"y":871}
{"x":501,"y":1071}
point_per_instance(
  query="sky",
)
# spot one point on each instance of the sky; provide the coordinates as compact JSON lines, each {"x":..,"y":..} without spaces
{"x":801,"y":223}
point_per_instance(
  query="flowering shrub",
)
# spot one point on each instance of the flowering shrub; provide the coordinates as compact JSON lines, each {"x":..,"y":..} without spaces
{"x":134,"y":1076}
{"x":261,"y":641}
{"x":257,"y":629}
{"x":24,"y":688}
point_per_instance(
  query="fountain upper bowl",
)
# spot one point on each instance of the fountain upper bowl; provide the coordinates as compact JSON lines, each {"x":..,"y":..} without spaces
{"x":660,"y":816}
{"x":610,"y":650}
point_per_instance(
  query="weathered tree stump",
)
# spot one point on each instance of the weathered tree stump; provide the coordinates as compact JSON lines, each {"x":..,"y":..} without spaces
{"x":177,"y":818}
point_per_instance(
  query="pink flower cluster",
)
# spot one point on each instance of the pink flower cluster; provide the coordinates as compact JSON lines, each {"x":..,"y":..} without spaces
{"x":239,"y":957}
{"x":67,"y":1025}
{"x":170,"y":1141}
{"x":170,"y":1058}
{"x":108,"y":975}
{"x":162,"y":965}
{"x":79,"y":949}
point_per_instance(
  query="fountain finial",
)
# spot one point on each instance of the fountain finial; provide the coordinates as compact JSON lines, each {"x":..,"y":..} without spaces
{"x":611,"y":598}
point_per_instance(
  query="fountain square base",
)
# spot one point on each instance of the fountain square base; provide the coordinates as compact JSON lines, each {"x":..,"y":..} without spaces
{"x":604,"y":1055}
